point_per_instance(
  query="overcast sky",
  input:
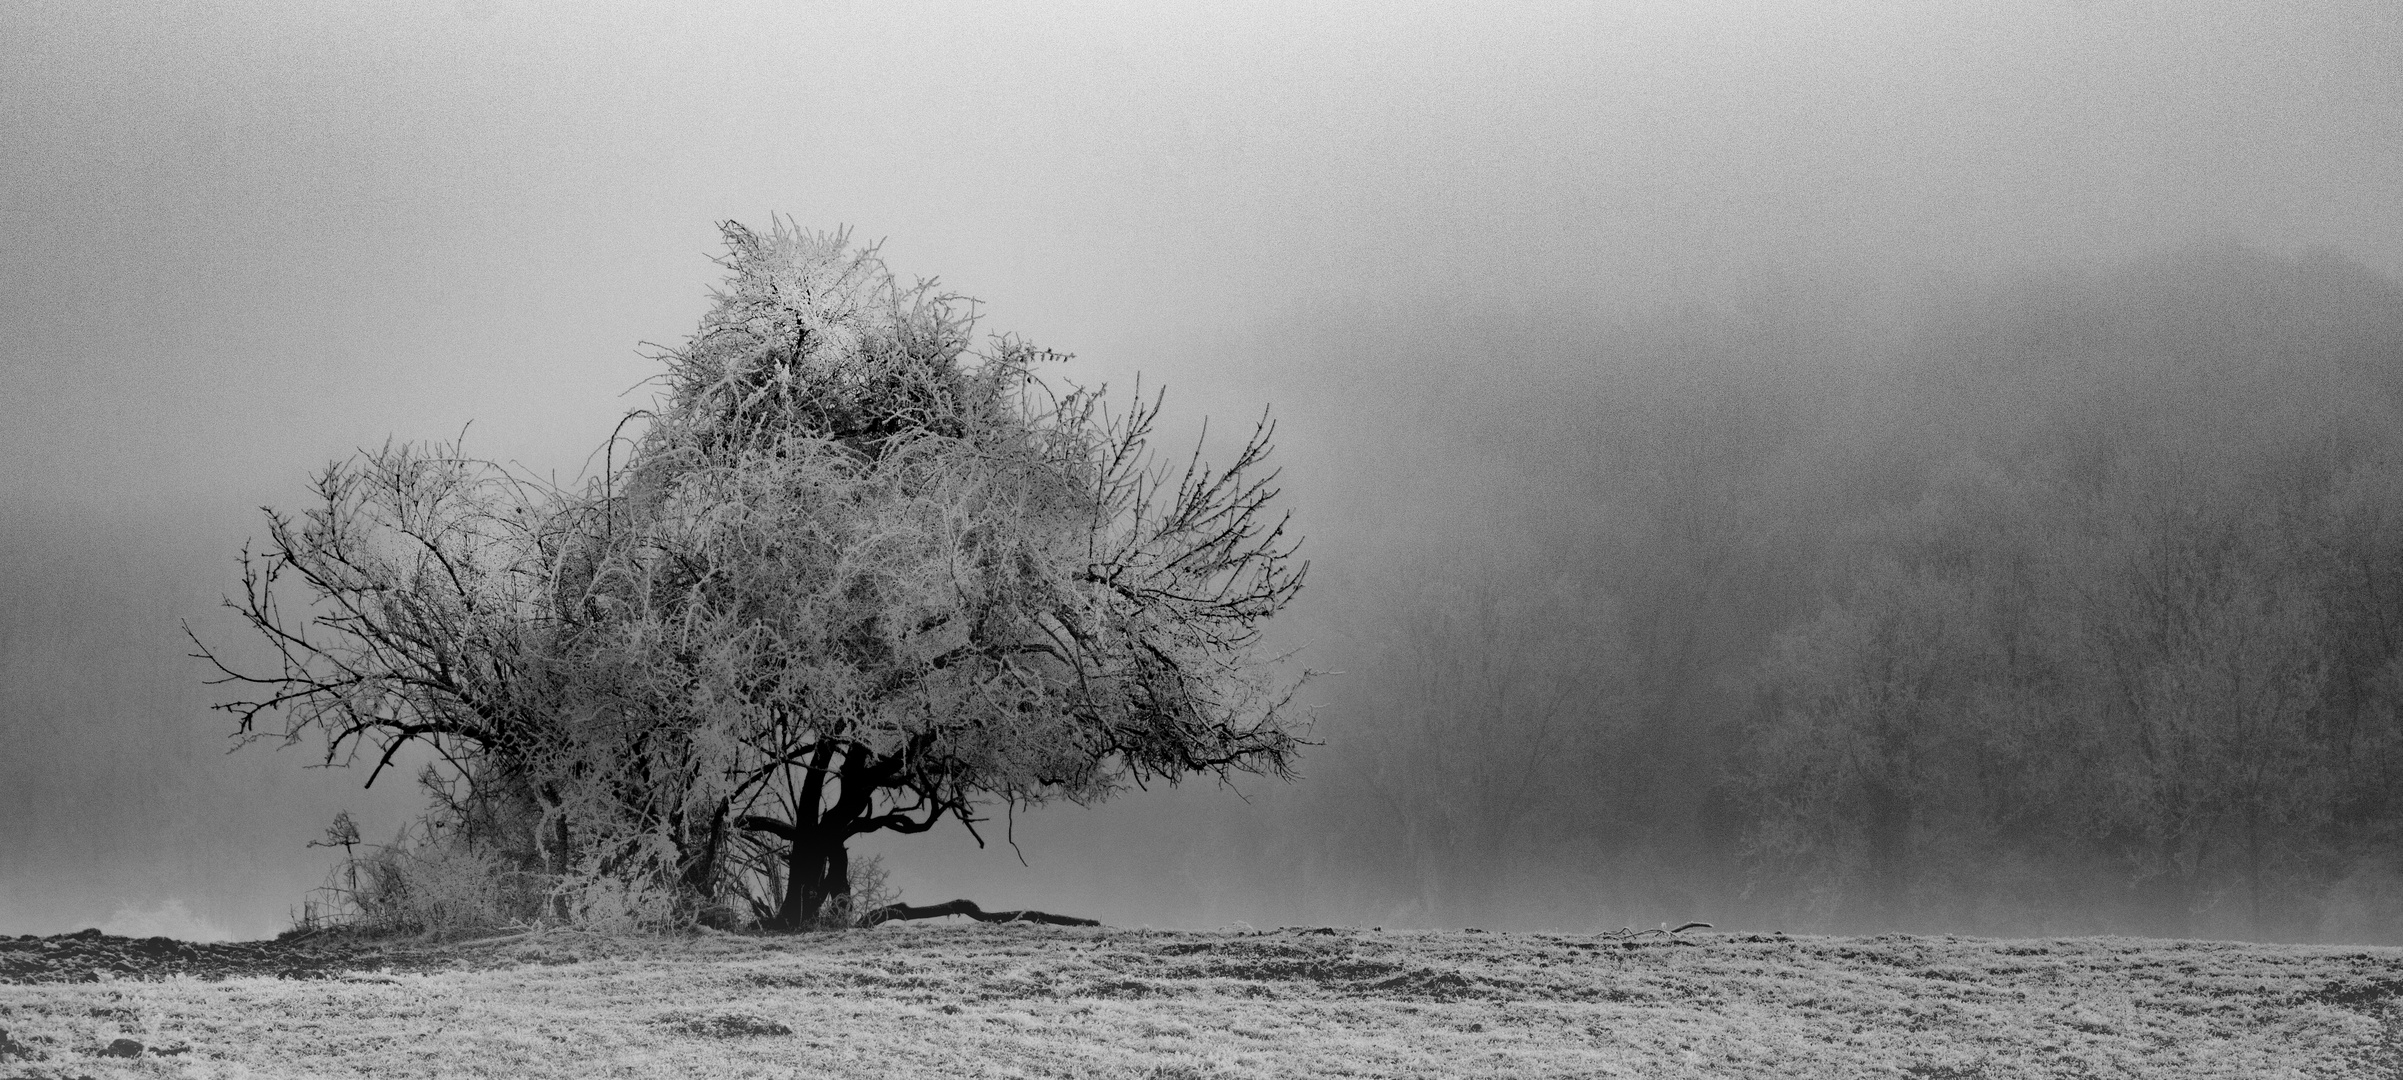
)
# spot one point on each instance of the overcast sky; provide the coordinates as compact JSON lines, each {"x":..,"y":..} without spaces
{"x":240,"y":239}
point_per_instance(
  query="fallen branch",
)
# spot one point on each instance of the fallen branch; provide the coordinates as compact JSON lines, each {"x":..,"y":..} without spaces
{"x":890,"y":912}
{"x":1630,"y":937}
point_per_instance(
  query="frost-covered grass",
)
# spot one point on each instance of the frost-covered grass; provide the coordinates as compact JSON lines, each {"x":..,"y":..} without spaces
{"x":940,"y":1000}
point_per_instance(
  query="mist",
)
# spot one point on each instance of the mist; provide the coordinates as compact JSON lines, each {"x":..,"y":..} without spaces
{"x":1635,"y":366}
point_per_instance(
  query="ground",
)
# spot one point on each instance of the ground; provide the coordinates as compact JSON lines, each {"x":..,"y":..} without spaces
{"x":1002,"y":1001}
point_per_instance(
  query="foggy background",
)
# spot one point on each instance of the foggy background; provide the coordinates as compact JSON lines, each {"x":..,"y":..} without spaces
{"x":1805,"y":466}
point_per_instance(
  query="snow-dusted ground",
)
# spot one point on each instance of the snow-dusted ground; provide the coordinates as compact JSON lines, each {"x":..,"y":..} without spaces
{"x":975,"y":1000}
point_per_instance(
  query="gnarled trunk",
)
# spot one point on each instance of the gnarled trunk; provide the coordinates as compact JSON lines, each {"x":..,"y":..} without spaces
{"x":818,"y":875}
{"x":817,"y":863}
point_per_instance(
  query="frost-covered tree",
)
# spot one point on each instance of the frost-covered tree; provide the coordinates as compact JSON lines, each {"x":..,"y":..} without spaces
{"x":853,"y":575}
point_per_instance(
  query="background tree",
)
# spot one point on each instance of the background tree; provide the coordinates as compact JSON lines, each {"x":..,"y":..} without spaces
{"x":1487,"y":696}
{"x":2119,"y":682}
{"x":2072,"y":610}
{"x":852,"y":576}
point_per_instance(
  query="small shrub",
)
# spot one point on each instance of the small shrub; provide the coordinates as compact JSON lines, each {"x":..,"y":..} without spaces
{"x":616,"y":905}
{"x":430,"y":884}
{"x":871,"y":888}
{"x":431,"y":889}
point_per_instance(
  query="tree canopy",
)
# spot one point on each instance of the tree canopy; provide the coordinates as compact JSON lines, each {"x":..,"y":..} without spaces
{"x":851,"y":573}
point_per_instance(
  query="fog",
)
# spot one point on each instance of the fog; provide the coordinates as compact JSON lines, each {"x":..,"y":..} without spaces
{"x":1638,"y":369}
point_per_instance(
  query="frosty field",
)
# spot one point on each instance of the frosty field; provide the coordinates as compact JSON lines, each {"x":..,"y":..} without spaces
{"x":1011,"y":1001}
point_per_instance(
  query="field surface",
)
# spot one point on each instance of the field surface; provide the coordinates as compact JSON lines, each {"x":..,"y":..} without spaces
{"x":1022,"y":1001}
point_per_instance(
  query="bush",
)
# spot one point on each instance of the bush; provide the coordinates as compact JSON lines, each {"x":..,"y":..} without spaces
{"x":460,"y":870}
{"x":871,"y":888}
{"x":429,"y":885}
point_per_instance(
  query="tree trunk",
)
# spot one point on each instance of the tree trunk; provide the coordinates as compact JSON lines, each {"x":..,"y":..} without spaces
{"x":701,"y":871}
{"x":805,"y":859}
{"x":837,"y":886}
{"x":817,"y":871}
{"x":804,"y":883}
{"x":818,"y":879}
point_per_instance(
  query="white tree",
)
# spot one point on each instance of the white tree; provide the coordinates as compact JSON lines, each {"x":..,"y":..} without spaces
{"x":853,"y":576}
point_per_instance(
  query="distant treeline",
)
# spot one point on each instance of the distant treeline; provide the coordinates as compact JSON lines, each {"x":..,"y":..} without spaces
{"x":2078,"y":607}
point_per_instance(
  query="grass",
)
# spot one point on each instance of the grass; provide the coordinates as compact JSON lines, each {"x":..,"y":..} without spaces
{"x":1011,"y":1001}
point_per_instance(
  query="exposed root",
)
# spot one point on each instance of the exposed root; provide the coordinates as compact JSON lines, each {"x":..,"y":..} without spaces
{"x":1664,"y":930}
{"x":890,"y":912}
